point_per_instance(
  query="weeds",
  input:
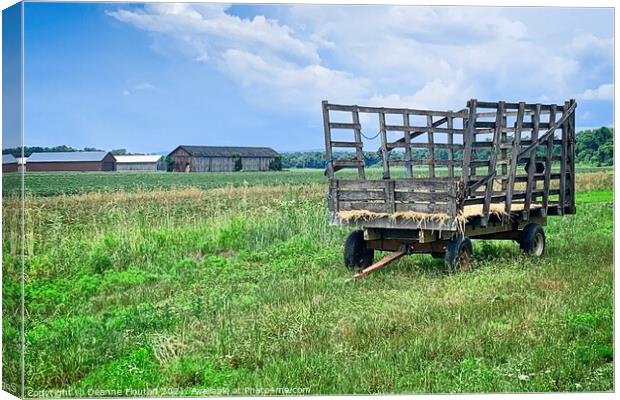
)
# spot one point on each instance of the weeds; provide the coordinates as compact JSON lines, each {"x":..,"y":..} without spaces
{"x":241,"y":287}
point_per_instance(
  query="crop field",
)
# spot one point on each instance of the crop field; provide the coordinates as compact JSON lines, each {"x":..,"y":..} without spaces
{"x":55,"y":183}
{"x":194,"y":284}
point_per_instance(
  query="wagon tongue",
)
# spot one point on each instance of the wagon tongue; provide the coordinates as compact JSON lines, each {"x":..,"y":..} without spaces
{"x":382,"y":263}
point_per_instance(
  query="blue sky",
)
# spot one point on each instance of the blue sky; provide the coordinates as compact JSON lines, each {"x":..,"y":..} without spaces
{"x":11,"y":75}
{"x":150,"y":77}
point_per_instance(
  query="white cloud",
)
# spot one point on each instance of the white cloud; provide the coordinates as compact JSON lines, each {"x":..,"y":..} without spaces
{"x":286,"y":83}
{"x":206,"y":28}
{"x":603,"y":92}
{"x":427,"y":57}
{"x":588,"y":44}
{"x":141,"y":86}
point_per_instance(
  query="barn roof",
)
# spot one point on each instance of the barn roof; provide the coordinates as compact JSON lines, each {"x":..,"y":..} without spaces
{"x":228,"y":151}
{"x":138,"y":159}
{"x":68,"y":156}
{"x":8,"y":159}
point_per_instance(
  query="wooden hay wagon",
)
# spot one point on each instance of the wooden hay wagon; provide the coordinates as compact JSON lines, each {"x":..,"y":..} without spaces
{"x":494,"y":170}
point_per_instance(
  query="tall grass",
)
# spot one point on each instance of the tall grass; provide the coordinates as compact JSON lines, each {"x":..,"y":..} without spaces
{"x":243,"y":287}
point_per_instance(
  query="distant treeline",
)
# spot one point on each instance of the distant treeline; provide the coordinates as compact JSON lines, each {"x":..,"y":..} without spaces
{"x":28,"y":150}
{"x":593,"y":147}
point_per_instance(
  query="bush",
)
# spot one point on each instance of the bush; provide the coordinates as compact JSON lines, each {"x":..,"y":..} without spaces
{"x":276,"y":164}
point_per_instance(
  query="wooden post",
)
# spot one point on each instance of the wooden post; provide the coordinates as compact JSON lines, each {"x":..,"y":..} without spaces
{"x":532,"y":164}
{"x":499,"y":129}
{"x":571,"y":165}
{"x":571,"y":161}
{"x":468,"y":136}
{"x":563,"y":161}
{"x":390,"y":203}
{"x":431,"y":146}
{"x":357,"y":132}
{"x":384,"y":150}
{"x":329,"y":166}
{"x":450,"y":121}
{"x":408,"y":156}
{"x":516,"y":142}
{"x":548,"y":161}
{"x":504,"y":154}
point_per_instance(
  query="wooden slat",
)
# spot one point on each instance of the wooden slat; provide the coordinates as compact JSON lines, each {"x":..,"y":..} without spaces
{"x":433,"y":197}
{"x":571,"y":154}
{"x":515,"y":106}
{"x":500,"y":198}
{"x":333,"y":197}
{"x":345,"y":125}
{"x":381,"y":207}
{"x":437,"y":184}
{"x":361,"y":195}
{"x":337,"y":143}
{"x":416,"y":184}
{"x":386,"y":110}
{"x":357,"y":134}
{"x":384,"y":150}
{"x":563,"y":158}
{"x":407,"y":143}
{"x":422,"y":129}
{"x":431,"y":147}
{"x":450,"y":122}
{"x":532,"y":163}
{"x":515,"y":155}
{"x":390,"y":202}
{"x":329,"y":168}
{"x":468,"y":138}
{"x":436,"y":145}
{"x":492,"y":161}
{"x":340,"y":164}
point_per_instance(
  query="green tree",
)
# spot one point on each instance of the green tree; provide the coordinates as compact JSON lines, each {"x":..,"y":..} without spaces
{"x":276,"y":164}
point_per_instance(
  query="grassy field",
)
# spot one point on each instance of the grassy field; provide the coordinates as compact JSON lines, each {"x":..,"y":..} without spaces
{"x":51,"y":184}
{"x":234,"y":284}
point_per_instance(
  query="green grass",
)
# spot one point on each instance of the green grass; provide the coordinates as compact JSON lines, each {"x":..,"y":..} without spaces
{"x":237,"y":289}
{"x":55,"y":183}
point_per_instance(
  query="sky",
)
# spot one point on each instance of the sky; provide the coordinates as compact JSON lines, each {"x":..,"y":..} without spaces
{"x":148,"y":77}
{"x":11,"y":75}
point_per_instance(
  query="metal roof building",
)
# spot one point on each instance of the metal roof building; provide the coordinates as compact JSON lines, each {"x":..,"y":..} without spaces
{"x":221,"y":158}
{"x":9,"y":163}
{"x":140,"y":163}
{"x":72,"y":161}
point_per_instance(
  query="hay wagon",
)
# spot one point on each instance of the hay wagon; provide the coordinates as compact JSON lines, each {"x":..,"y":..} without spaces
{"x":494,"y":170}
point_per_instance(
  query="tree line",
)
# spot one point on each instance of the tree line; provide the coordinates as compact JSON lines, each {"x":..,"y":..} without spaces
{"x":594,"y":147}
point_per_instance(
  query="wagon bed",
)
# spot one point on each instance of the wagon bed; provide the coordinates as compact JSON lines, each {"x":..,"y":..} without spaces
{"x":486,"y":171}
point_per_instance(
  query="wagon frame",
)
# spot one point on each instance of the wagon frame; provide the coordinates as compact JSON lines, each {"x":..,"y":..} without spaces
{"x":461,"y":178}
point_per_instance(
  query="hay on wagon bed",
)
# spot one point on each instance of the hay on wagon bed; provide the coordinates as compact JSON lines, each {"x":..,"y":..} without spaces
{"x":422,"y":219}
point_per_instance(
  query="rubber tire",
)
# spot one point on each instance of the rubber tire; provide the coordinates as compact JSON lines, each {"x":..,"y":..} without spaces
{"x":453,"y":252}
{"x":527,"y":239}
{"x":356,"y":254}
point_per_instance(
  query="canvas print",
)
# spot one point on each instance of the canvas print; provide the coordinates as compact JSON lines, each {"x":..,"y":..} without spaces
{"x":211,"y":200}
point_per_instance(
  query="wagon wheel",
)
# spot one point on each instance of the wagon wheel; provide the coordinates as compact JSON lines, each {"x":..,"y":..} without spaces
{"x":459,"y":253}
{"x":356,"y":254}
{"x":532,"y":240}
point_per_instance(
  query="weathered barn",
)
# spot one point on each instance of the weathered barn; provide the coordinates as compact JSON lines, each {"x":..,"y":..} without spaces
{"x":72,"y":161}
{"x":221,"y":159}
{"x":9,"y":163}
{"x":140,"y":163}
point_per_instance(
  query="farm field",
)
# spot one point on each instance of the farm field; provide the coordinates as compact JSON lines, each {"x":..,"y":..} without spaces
{"x":55,"y":183}
{"x":234,"y":284}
